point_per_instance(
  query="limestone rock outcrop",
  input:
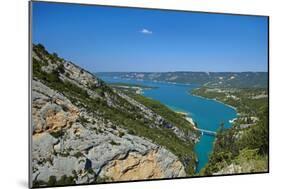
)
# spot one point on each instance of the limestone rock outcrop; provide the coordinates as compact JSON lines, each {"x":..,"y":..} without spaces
{"x":72,"y":143}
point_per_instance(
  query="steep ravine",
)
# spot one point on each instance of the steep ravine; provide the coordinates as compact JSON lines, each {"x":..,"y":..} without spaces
{"x":86,"y":132}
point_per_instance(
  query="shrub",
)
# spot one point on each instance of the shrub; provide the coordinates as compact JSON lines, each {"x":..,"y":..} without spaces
{"x":101,"y":179}
{"x":57,"y":134}
{"x":113,"y":143}
{"x":64,"y":107}
{"x":40,"y":47}
{"x":121,"y":134}
{"x":38,"y":183}
{"x":91,"y":171}
{"x":131,"y":132}
{"x":65,"y":180}
{"x":61,"y":68}
{"x":78,"y":154}
{"x":52,"y":181}
{"x":82,"y":120}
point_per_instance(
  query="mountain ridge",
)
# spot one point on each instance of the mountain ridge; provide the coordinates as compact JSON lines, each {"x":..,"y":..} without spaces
{"x":209,"y":79}
{"x":83,"y":130}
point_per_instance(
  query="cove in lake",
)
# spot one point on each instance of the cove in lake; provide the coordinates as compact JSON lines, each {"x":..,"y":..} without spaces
{"x":208,"y":114}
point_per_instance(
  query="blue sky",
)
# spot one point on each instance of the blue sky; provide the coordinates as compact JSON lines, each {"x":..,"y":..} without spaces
{"x":122,"y":39}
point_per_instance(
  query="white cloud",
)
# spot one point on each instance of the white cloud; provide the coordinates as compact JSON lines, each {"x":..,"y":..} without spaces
{"x":145,"y":31}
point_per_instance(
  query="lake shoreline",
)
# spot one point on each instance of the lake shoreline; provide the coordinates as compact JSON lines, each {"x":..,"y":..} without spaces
{"x":230,"y":106}
{"x":178,"y":97}
{"x":187,"y":117}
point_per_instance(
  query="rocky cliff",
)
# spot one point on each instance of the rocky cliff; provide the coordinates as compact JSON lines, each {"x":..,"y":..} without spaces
{"x":86,"y":132}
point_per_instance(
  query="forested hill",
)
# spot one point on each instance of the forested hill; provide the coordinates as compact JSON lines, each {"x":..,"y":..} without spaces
{"x":210,"y":79}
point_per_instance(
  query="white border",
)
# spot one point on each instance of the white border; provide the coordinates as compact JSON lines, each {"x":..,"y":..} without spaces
{"x":14,"y":91}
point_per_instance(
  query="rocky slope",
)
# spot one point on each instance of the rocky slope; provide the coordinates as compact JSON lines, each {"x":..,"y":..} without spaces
{"x":86,"y":132}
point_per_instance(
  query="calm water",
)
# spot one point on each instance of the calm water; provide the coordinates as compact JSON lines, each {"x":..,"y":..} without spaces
{"x":207,"y":113}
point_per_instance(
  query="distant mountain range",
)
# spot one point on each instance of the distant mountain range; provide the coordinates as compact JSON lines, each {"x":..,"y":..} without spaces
{"x":210,"y":79}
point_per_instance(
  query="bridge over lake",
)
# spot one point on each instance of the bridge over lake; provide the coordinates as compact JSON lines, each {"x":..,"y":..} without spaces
{"x":206,"y":132}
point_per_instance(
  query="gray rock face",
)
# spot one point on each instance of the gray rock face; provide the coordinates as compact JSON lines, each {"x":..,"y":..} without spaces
{"x":230,"y":169}
{"x":68,"y":153}
{"x":42,"y":146}
{"x":70,"y":142}
{"x":50,"y":109}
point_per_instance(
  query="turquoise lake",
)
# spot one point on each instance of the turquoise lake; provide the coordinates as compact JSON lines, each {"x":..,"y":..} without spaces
{"x":207,"y":113}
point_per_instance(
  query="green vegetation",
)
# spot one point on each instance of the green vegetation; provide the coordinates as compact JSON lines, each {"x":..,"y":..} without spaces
{"x":57,"y":134}
{"x":210,"y":79}
{"x":82,"y":120}
{"x":132,"y":88}
{"x":121,"y":134}
{"x":45,"y":56}
{"x":243,"y":99}
{"x":78,"y":154}
{"x":38,"y":183}
{"x":63,"y":181}
{"x":53,"y":81}
{"x":123,"y":113}
{"x":245,"y":144}
{"x":252,"y":160}
{"x":102,"y":179}
{"x":61,"y":68}
{"x":171,"y":116}
{"x":113,"y":143}
{"x":131,"y":85}
{"x":91,"y":171}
